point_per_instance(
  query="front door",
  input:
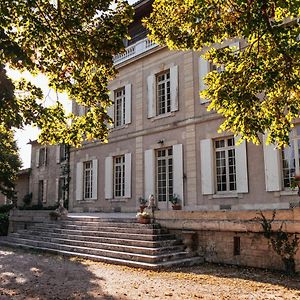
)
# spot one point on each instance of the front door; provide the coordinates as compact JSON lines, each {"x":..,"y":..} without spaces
{"x":164,"y":178}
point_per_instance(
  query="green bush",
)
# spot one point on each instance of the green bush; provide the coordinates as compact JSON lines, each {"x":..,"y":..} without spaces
{"x":38,"y":207}
{"x":5,"y":208}
{"x":3,"y":223}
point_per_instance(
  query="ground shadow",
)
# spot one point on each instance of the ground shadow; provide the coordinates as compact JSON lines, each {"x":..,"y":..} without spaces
{"x":33,"y":275}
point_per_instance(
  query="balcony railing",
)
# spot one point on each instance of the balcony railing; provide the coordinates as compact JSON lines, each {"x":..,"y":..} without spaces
{"x":134,"y":50}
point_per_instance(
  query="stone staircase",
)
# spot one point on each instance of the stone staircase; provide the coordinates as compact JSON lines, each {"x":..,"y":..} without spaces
{"x":119,"y":241}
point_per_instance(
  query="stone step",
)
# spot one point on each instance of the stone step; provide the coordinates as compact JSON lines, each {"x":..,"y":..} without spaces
{"x":133,"y":236}
{"x":100,"y":219}
{"x":186,"y":261}
{"x":118,"y":241}
{"x":104,"y":246}
{"x":141,"y":230}
{"x":146,"y":258}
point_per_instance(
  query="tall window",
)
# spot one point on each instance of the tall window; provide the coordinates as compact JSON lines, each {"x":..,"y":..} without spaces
{"x":87,"y":179}
{"x":43,"y":156}
{"x":164,"y":177}
{"x":119,"y":117}
{"x":225,"y":165}
{"x":119,"y":176}
{"x":41,"y":191}
{"x":163,"y":93}
{"x":62,"y":188}
{"x":291,"y":158}
{"x":63,"y":155}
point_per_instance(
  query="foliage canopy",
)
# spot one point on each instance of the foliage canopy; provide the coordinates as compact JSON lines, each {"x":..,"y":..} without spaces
{"x":258,"y":90}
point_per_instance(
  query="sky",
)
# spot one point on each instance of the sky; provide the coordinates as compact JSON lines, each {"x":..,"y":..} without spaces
{"x":29,"y":132}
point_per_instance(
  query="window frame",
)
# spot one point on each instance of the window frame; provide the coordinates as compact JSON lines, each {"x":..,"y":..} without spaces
{"x":88,"y":180}
{"x":42,"y":158}
{"x":165,"y":85}
{"x":120,"y":110}
{"x":119,"y":176}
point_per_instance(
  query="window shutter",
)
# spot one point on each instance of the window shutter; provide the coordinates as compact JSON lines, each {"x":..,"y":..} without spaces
{"x":58,"y":154}
{"x":111,"y":109}
{"x":95,"y":179}
{"x":108,"y":177}
{"x":241,"y":167}
{"x":149,"y":180}
{"x":207,"y":167}
{"x":46,"y":157}
{"x":57,"y":189}
{"x":272,"y":167}
{"x":37,"y":158}
{"x":174,"y":88}
{"x":81,"y":110}
{"x":178,"y":171}
{"x":79,"y":181}
{"x":44,"y":191}
{"x":151,"y":89}
{"x":128,"y":175}
{"x":128,"y":103}
{"x":204,"y":69}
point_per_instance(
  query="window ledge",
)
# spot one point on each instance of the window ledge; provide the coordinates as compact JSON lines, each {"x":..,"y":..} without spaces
{"x":227,"y":195}
{"x":87,"y":201}
{"x":288,"y":193}
{"x":158,"y":117}
{"x":119,"y":127}
{"x":119,"y":200}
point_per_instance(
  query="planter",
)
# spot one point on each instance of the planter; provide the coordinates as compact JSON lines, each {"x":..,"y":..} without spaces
{"x":144,"y":220}
{"x":142,"y":207}
{"x":176,"y":207}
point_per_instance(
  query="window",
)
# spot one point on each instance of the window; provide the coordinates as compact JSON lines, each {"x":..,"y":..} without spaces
{"x":42,"y":157}
{"x":41,"y":196}
{"x":236,"y":245}
{"x":87,"y":179}
{"x":64,"y":152}
{"x":119,"y":107}
{"x":225,"y":165}
{"x":119,"y":176}
{"x":164,"y":174}
{"x":62,"y":188}
{"x":290,"y":158}
{"x":163,"y":94}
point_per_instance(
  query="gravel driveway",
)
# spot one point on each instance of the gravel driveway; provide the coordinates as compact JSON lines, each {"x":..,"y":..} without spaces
{"x":25,"y":275}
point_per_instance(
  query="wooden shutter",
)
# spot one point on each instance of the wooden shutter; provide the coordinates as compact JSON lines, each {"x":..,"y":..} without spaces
{"x":174,"y":88}
{"x":79,"y":181}
{"x":108,"y":177}
{"x":111,"y":109}
{"x":128,"y":175}
{"x":37,"y":158}
{"x":207,"y":167}
{"x":57,"y":189}
{"x":81,"y":110}
{"x":241,"y":167}
{"x":178,"y":171}
{"x":151,"y":90}
{"x":95,"y":179}
{"x":204,"y":69}
{"x":149,"y":170}
{"x":272,"y":167}
{"x":44,"y":191}
{"x":128,"y":99}
{"x":58,"y":153}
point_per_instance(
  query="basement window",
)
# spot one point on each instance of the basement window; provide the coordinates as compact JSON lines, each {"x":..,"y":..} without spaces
{"x":236,"y":245}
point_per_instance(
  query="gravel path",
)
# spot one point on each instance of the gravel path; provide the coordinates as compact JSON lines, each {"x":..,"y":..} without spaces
{"x":25,"y":275}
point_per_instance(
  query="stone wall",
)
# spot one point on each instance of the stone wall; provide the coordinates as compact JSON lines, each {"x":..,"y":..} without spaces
{"x":215,"y":232}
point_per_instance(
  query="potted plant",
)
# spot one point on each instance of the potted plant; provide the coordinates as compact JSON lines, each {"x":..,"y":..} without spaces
{"x":143,"y":217}
{"x":175,"y":200}
{"x":295,"y":183}
{"x":54,"y":215}
{"x":143,"y":203}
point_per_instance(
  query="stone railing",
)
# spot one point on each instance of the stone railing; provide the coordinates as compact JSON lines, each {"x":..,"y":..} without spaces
{"x":134,"y":50}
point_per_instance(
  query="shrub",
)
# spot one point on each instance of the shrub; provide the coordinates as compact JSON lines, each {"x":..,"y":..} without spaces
{"x":27,"y":199}
{"x":4,"y":221}
{"x":5,"y":208}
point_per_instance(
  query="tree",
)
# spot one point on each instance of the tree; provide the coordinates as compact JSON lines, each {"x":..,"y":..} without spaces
{"x":258,"y":90}
{"x":73,"y":44}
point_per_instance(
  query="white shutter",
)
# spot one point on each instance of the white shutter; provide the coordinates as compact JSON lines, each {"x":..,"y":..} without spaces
{"x":128,"y":103}
{"x":57,"y":189}
{"x":128,"y":175}
{"x":108,"y":177}
{"x":37,"y":158}
{"x":241,"y":167}
{"x":95,"y":179}
{"x":46,"y":157}
{"x":151,"y":90}
{"x":178,"y":171}
{"x":81,"y":110}
{"x":149,"y":178}
{"x":204,"y":69}
{"x":111,"y":109}
{"x":58,"y":154}
{"x":44,"y":191}
{"x":272,"y":167}
{"x":79,"y":181}
{"x":207,"y":167}
{"x":174,"y":88}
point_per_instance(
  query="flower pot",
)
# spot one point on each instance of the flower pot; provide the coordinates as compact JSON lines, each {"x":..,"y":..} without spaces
{"x":142,"y":207}
{"x":144,"y":220}
{"x":176,"y":207}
